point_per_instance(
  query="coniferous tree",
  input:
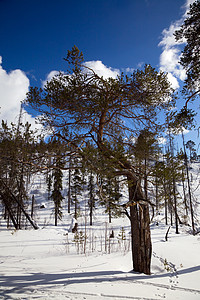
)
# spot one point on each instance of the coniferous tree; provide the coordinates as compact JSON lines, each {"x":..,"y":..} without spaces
{"x":158,"y":175}
{"x":49,"y":185}
{"x":181,"y":158}
{"x":56,"y":195}
{"x":189,"y":187}
{"x":76,"y":190}
{"x":190,"y":58}
{"x":69,"y":185}
{"x":145,"y":152}
{"x":191,"y":146}
{"x":90,"y":108}
{"x":17,"y":145}
{"x":110,"y":197}
{"x":91,"y":201}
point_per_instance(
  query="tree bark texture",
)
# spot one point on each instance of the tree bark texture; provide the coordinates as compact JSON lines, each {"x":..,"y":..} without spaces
{"x":140,"y":230}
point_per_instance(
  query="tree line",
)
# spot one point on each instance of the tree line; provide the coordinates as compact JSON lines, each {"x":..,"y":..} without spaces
{"x":24,"y":155}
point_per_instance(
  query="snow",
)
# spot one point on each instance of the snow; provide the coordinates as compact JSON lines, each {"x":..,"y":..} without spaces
{"x":48,"y":264}
{"x":35,"y":264}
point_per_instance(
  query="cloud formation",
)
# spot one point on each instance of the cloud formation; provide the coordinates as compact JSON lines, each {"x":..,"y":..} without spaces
{"x":49,"y":77}
{"x":96,"y":65}
{"x":169,"y":58}
{"x":101,"y":70}
{"x":13,"y":89}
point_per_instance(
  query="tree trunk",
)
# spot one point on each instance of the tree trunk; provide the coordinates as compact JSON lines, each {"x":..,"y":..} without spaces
{"x":184,"y":194}
{"x":91,"y":214}
{"x":175,"y":205}
{"x":56,"y":213}
{"x":189,"y":190}
{"x":13,"y":198}
{"x":32,"y":206}
{"x":11,"y":216}
{"x":140,"y":230}
{"x":109,"y":213}
{"x":75,"y":207}
{"x":69,"y":188}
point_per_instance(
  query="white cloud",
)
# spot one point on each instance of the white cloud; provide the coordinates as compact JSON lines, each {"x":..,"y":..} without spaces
{"x":101,"y":70}
{"x":128,"y":70}
{"x":187,"y":5}
{"x":49,"y":77}
{"x":97,"y":66}
{"x":172,"y":79}
{"x":169,"y":63}
{"x":169,"y":58}
{"x":13,"y":89}
{"x":168,"y":39}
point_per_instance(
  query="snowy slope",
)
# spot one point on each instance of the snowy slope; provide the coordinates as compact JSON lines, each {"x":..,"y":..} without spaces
{"x":48,"y":264}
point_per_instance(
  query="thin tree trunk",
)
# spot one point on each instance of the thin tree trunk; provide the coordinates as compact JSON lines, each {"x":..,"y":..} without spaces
{"x":91,"y":213}
{"x":32,"y":206}
{"x":14,"y":198}
{"x":56,"y":214}
{"x":109,"y":212}
{"x":157,"y":194}
{"x":189,"y":191}
{"x":166,"y":221}
{"x":184,"y":194}
{"x":75,"y":208}
{"x":171,"y":210}
{"x":9,"y":211}
{"x":145,"y":179}
{"x":165,"y":194}
{"x":91,"y":199}
{"x":175,"y":205}
{"x":69,"y":188}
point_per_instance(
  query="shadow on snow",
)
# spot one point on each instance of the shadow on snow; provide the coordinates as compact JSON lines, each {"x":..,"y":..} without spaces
{"x":21,"y":284}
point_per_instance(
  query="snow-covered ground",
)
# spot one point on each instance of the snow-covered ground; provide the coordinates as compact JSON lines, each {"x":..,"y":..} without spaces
{"x":49,"y":263}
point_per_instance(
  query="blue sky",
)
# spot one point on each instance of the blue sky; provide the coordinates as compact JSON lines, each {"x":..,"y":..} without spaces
{"x":36,"y":34}
{"x":122,"y":34}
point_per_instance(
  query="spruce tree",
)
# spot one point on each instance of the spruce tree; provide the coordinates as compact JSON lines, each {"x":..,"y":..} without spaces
{"x":91,"y":200}
{"x":76,"y":190}
{"x":56,"y":195}
{"x":17,"y":149}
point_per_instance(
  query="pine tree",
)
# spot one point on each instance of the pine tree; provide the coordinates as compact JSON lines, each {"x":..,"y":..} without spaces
{"x":88,"y":108}
{"x":145,"y":152}
{"x":56,"y":195}
{"x":76,"y":190}
{"x":17,"y":148}
{"x":110,"y":197}
{"x":91,"y":201}
{"x":188,"y":183}
{"x":191,"y":146}
{"x":49,"y":184}
{"x":190,"y":58}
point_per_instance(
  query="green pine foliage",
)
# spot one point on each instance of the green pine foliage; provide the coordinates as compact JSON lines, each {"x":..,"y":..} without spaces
{"x":56,"y":194}
{"x":190,"y":58}
{"x":17,"y":151}
{"x":77,"y":185}
{"x":110,"y":197}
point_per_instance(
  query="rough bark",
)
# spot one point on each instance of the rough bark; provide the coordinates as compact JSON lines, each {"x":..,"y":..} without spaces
{"x":140,"y":229}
